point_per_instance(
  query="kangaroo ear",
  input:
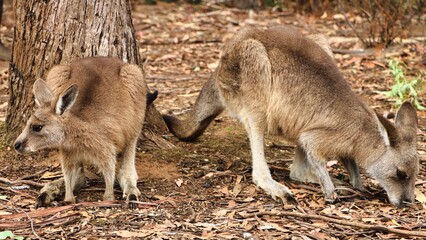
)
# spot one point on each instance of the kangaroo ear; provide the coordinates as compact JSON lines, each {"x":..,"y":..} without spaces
{"x":406,"y":122}
{"x":388,"y":131}
{"x":67,"y":99}
{"x":42,"y":93}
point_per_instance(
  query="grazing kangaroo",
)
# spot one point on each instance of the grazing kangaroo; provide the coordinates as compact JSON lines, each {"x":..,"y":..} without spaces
{"x":92,"y":111}
{"x":280,"y":82}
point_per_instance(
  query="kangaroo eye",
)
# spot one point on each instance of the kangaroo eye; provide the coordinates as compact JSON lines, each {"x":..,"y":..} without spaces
{"x":401,"y":175}
{"x":36,"y":128}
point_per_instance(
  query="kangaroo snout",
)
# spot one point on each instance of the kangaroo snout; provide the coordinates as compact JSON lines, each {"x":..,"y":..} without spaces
{"x":18,"y":145}
{"x":403,"y":201}
{"x":406,"y":199}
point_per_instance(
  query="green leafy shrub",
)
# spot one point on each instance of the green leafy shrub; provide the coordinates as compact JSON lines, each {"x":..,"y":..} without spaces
{"x":404,"y":89}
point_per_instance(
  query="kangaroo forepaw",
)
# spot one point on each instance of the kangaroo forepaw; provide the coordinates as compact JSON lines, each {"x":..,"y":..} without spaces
{"x":108,"y":197}
{"x":44,"y":199}
{"x":286,"y":199}
{"x":131,"y":194}
{"x":276,"y":190}
{"x":50,"y":192}
{"x":359,"y":186}
{"x":331,"y":197}
{"x":130,"y":198}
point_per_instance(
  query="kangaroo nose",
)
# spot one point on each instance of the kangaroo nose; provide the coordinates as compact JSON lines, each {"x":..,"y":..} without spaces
{"x":17,"y":146}
{"x":400,"y":204}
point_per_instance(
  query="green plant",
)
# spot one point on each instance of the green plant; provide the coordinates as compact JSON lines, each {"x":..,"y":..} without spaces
{"x":9,"y":235}
{"x":403,"y":88}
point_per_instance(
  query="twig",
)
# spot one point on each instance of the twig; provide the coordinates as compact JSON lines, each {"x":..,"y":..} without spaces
{"x":195,"y":42}
{"x":303,"y":186}
{"x":24,"y":225}
{"x":353,"y":191}
{"x":28,"y":182}
{"x":144,"y":203}
{"x":49,"y":211}
{"x":380,"y":228}
{"x":13,"y":224}
{"x":53,"y":210}
{"x":32,"y":225}
{"x":17,"y":182}
{"x":71,"y":218}
{"x":169,"y":78}
{"x":93,"y":189}
{"x":311,"y":226}
{"x":33,"y":175}
{"x":9,"y":189}
{"x":353,"y":52}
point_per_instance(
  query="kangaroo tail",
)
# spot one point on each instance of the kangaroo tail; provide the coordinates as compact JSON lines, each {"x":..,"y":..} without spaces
{"x":207,"y":107}
{"x":150,"y":97}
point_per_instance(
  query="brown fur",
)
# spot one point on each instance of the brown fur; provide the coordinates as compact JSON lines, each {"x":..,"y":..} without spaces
{"x":280,"y":82}
{"x":92,"y":111}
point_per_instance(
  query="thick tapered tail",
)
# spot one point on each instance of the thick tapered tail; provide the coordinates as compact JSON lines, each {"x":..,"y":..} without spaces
{"x":150,"y":97}
{"x":207,"y":107}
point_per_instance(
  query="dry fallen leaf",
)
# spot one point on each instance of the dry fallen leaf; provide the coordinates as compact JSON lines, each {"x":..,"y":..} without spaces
{"x":232,"y":204}
{"x":224,"y":190}
{"x":50,"y":175}
{"x":220,"y":213}
{"x":131,"y":234}
{"x":179,"y":182}
{"x":419,"y":196}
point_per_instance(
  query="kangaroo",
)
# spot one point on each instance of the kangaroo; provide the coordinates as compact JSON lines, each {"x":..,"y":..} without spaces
{"x":92,"y":111}
{"x":278,"y":81}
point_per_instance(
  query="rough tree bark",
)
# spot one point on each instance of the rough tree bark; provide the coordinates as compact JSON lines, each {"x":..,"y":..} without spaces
{"x":57,"y":32}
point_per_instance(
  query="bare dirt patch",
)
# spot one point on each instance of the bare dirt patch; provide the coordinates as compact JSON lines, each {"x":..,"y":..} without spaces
{"x":152,"y":169}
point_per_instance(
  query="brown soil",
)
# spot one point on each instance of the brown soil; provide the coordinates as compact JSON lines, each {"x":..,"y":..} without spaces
{"x":204,"y":190}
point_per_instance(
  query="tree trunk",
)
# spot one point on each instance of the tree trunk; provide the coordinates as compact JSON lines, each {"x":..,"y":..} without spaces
{"x":48,"y":33}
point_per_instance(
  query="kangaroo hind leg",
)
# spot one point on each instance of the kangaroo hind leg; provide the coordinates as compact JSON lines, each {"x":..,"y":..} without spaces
{"x":301,"y":170}
{"x":127,"y":175}
{"x":261,"y":174}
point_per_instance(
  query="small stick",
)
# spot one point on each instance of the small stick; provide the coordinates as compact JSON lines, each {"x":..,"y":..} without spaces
{"x":53,"y":210}
{"x":37,"y":174}
{"x":17,"y":182}
{"x":144,"y":203}
{"x":380,"y":228}
{"x":32,"y":225}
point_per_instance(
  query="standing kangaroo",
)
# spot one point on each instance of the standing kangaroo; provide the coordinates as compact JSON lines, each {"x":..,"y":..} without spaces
{"x":93,"y":112}
{"x":280,"y":82}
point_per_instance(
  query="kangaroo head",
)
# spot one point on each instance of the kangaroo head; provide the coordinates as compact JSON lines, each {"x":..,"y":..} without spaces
{"x":45,"y":128}
{"x":397,"y":168}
